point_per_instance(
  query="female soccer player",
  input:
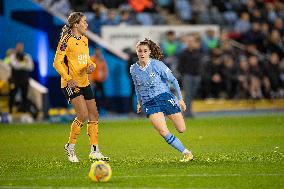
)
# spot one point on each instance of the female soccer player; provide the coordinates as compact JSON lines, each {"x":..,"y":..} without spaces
{"x":73,"y":63}
{"x":151,"y":79}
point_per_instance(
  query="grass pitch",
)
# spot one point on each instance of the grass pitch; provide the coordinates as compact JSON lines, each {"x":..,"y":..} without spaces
{"x":231,"y":152}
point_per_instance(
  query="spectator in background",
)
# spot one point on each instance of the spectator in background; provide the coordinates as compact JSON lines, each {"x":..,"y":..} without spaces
{"x":189,"y":65}
{"x":265,"y":32}
{"x":248,"y":6}
{"x":213,"y":82}
{"x":243,"y":77}
{"x":21,"y":65}
{"x":112,"y":18}
{"x":171,"y":48}
{"x":140,"y":5}
{"x":229,"y":74}
{"x":279,"y":26}
{"x":209,"y":41}
{"x":242,"y":25}
{"x":227,"y":49}
{"x":183,"y":9}
{"x":275,"y":44}
{"x":146,"y":13}
{"x":62,"y":6}
{"x":7,"y":58}
{"x":167,"y":4}
{"x":270,"y":13}
{"x":97,"y":21}
{"x":98,"y":77}
{"x":127,"y":19}
{"x":256,"y":16}
{"x":255,"y":36}
{"x":256,"y":77}
{"x":272,"y":74}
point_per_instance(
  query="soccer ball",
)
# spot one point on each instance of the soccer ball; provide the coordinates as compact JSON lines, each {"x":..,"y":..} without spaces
{"x":100,"y":171}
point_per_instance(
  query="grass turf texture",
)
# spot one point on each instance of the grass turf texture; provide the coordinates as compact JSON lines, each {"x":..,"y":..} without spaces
{"x":231,"y":152}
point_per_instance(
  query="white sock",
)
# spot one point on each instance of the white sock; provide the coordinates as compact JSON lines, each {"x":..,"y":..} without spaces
{"x":185,"y":151}
{"x":72,"y":146}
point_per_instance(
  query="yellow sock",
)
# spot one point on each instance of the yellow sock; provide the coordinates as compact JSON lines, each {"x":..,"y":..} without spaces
{"x":93,"y":132}
{"x":75,"y":131}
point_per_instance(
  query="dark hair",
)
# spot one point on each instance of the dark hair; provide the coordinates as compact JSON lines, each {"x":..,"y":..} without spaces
{"x":20,"y":56}
{"x":170,"y":32}
{"x":73,"y":18}
{"x":156,"y":52}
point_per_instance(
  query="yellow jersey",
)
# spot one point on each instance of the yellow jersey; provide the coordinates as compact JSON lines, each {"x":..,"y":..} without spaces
{"x":72,"y":59}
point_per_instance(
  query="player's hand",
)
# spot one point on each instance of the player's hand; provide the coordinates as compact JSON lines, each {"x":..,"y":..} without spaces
{"x":90,"y":68}
{"x":139,"y":108}
{"x":72,"y":83}
{"x":182,"y":105}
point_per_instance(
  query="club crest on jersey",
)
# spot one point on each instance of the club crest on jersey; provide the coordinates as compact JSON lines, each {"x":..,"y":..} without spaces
{"x":63,"y":46}
{"x":152,"y":74}
{"x":76,"y":90}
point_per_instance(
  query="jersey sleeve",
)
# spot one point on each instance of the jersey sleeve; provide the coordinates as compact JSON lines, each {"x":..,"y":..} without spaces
{"x":89,"y":60}
{"x":59,"y":59}
{"x":167,"y":75}
{"x":135,"y":84}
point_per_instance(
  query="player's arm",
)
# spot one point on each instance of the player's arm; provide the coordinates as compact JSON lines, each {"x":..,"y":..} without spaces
{"x":167,"y":74}
{"x":136,"y":91}
{"x":91,"y":66}
{"x":90,"y":62}
{"x":59,"y":60}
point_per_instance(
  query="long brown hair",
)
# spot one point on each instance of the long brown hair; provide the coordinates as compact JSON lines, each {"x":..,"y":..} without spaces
{"x":156,"y":52}
{"x":73,"y":18}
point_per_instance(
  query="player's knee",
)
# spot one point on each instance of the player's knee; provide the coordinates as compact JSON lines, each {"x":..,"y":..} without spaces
{"x":93,"y":114}
{"x":181,"y":129}
{"x":82,"y":116}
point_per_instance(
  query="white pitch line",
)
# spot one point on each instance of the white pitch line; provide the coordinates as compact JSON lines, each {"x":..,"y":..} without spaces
{"x":80,"y":187}
{"x":205,"y":175}
{"x":149,"y":176}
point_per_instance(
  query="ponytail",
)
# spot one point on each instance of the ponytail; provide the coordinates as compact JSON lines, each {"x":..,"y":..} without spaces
{"x":66,"y":29}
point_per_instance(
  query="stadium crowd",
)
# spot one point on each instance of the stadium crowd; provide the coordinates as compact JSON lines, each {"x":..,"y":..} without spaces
{"x":244,"y":61}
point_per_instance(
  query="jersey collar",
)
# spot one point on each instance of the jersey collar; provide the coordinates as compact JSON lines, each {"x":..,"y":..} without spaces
{"x":78,"y":38}
{"x":144,"y":68}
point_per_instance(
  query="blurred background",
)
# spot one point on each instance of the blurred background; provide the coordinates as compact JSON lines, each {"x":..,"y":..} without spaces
{"x":227,"y":55}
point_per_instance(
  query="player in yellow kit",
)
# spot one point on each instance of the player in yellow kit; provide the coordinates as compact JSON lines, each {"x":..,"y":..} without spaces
{"x":73,"y":63}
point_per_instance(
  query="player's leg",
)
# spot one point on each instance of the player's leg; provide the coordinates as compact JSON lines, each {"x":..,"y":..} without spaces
{"x":81,"y":115}
{"x":75,"y":97}
{"x":159,"y":123}
{"x":179,"y":124}
{"x":92,"y":126}
{"x":178,"y":121}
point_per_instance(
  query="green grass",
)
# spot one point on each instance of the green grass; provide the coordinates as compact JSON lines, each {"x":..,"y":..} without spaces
{"x":231,"y":152}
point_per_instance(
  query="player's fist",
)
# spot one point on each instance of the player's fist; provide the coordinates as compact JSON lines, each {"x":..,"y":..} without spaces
{"x":72,"y":83}
{"x":91,"y":68}
{"x":182,"y":105}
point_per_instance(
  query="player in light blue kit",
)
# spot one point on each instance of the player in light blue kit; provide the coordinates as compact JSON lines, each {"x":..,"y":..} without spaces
{"x":151,"y":78}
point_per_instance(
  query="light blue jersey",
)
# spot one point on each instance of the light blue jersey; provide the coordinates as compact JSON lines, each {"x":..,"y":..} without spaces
{"x":153,"y":80}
